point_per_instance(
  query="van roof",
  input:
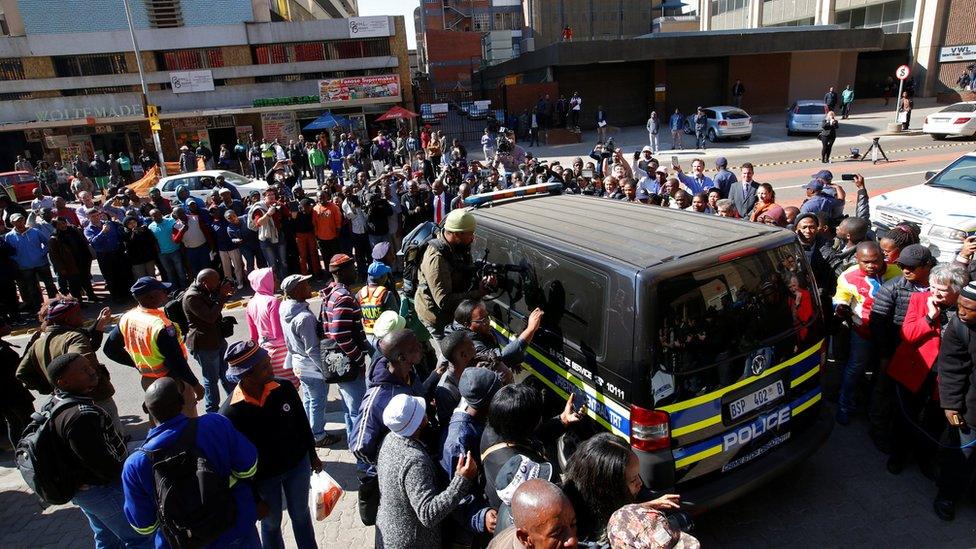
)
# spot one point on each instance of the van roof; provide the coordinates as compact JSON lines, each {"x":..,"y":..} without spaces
{"x":631,"y":233}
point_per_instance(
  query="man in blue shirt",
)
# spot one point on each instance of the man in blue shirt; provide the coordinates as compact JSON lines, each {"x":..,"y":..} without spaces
{"x":833,"y":191}
{"x":227,"y":451}
{"x":724,"y":179}
{"x":677,"y":125}
{"x":106,"y":236}
{"x":170,"y":258}
{"x":335,"y":161}
{"x":30,"y":255}
{"x":817,"y":201}
{"x":698,"y":181}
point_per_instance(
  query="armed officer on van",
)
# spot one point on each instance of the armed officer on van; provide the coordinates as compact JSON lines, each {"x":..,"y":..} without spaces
{"x":447,"y":275}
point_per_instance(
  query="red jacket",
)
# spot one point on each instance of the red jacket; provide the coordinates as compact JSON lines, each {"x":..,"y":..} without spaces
{"x":919,"y":347}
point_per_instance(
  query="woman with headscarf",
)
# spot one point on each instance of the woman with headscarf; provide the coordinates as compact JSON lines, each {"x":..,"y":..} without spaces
{"x":767,"y":199}
{"x":264,"y":321}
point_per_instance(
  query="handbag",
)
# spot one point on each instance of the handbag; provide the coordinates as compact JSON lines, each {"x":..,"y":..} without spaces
{"x":335,"y":366}
{"x":227,"y":324}
{"x":903,"y":116}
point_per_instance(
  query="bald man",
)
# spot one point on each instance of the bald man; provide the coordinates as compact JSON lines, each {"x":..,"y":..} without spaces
{"x":544,"y":519}
{"x":203,"y":303}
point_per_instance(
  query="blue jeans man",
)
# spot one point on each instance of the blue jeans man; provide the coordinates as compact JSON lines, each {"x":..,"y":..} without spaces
{"x":172,"y":265}
{"x":295,"y":485}
{"x":214,"y":369}
{"x":315,"y":393}
{"x":862,"y":353}
{"x":102,"y":505}
{"x":274,"y":253}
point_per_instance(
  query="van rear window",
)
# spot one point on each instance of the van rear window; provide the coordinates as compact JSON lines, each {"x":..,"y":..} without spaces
{"x":713,"y":321}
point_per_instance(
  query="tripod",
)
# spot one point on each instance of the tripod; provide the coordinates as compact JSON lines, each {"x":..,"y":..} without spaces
{"x":874,"y":151}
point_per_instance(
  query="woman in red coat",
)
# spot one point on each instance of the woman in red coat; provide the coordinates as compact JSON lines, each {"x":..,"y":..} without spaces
{"x":916,"y":394}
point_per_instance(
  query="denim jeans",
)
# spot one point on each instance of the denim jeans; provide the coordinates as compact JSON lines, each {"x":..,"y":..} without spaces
{"x":103,"y":507}
{"x":198,"y":258}
{"x":352,"y":393}
{"x":861,"y":354}
{"x":214,"y":369}
{"x":172,"y":264}
{"x":274,"y":254}
{"x":320,"y":174}
{"x":700,"y":139}
{"x":315,"y":393}
{"x":295,"y":484}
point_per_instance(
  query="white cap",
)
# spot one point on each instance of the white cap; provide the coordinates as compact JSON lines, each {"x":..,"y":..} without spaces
{"x":388,"y":321}
{"x":404,"y":414}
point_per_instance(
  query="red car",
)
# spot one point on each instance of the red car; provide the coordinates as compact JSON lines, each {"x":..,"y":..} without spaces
{"x":20,"y":185}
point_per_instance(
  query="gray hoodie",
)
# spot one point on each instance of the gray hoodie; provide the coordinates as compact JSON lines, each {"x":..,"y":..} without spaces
{"x":301,"y":338}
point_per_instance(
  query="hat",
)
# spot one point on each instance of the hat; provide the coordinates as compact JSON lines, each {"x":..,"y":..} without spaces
{"x":223,"y":190}
{"x":148,"y":284}
{"x":647,"y":149}
{"x":381,"y":250}
{"x":59,"y":364}
{"x":478,"y":386}
{"x":377,"y":270}
{"x":968,"y":291}
{"x":721,"y":162}
{"x":814,"y":185}
{"x":915,"y":255}
{"x":16,"y":217}
{"x":459,"y":221}
{"x":404,"y":414}
{"x":661,"y":169}
{"x":338,"y":260}
{"x":824,"y":174}
{"x":776,"y":213}
{"x":642,"y":194}
{"x":242,"y":356}
{"x":59,"y":308}
{"x":291,"y":281}
{"x":388,"y":321}
{"x":802,"y":216}
{"x":184,"y":148}
{"x":517,"y":470}
{"x":635,"y":526}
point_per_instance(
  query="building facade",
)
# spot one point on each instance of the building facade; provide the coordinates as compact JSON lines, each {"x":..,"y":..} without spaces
{"x":70,"y":85}
{"x":450,"y":36}
{"x":588,"y":20}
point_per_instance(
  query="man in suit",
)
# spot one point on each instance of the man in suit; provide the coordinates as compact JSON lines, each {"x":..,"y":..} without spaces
{"x":441,"y":201}
{"x":743,"y":193}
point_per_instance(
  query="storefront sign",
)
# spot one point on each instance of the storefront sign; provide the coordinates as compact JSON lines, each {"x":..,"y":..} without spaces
{"x":359,"y":87}
{"x":56,"y":141}
{"x":949,"y":54}
{"x":190,"y":123}
{"x":285,"y":101}
{"x":369,"y":27}
{"x":279,"y":125}
{"x":191,"y":81}
{"x":116,"y":111}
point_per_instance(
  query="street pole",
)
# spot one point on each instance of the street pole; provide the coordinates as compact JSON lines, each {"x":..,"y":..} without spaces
{"x":901,"y":83}
{"x":145,"y":89}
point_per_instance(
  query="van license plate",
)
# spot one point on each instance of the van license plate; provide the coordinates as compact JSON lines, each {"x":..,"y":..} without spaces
{"x":758,"y":399}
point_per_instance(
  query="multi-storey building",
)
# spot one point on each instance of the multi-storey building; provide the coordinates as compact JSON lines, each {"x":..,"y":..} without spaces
{"x":217,"y":70}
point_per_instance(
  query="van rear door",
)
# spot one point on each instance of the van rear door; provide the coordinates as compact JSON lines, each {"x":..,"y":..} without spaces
{"x":738,"y":357}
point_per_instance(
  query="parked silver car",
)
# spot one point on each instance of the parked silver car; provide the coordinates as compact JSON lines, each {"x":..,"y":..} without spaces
{"x":723,"y":122}
{"x":805,"y":116}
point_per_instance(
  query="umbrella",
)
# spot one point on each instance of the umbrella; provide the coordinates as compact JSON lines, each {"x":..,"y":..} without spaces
{"x":396,"y":113}
{"x":327,"y":121}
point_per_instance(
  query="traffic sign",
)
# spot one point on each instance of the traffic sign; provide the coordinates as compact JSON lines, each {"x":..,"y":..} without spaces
{"x":902,"y":72}
{"x":152,"y":111}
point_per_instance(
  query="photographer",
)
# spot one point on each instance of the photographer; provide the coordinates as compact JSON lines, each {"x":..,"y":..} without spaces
{"x":203,"y":303}
{"x":509,"y":155}
{"x":446,"y":275}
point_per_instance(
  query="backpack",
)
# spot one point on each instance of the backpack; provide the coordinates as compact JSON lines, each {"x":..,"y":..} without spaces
{"x":195,"y":503}
{"x":249,"y":221}
{"x":412,"y":253}
{"x":38,"y":455}
{"x":174,"y":311}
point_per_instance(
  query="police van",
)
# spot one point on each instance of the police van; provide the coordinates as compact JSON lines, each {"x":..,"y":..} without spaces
{"x":697,"y":338}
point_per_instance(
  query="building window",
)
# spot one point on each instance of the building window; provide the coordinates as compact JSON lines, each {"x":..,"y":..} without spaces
{"x":90,"y":65}
{"x":480,"y":22}
{"x":164,"y":13}
{"x":320,"y":51}
{"x":319,"y":75}
{"x":190,"y":59}
{"x":897,"y":16}
{"x":11,"y":69}
{"x":15,"y":96}
{"x":98,"y":91}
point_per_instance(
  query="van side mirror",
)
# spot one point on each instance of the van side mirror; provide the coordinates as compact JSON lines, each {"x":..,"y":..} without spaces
{"x":929,"y":175}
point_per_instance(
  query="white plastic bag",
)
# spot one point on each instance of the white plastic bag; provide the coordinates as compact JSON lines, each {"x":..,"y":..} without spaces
{"x":325,"y":494}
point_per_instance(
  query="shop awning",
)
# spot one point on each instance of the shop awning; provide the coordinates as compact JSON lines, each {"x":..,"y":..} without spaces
{"x":397,"y":113}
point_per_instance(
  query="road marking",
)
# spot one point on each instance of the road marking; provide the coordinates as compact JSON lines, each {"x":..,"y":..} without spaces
{"x":866,"y":179}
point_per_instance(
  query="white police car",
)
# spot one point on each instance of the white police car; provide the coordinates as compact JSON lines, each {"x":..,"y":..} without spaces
{"x":944,"y":206}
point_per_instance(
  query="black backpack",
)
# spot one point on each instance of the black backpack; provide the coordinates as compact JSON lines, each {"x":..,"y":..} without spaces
{"x":412,"y":253}
{"x":195,"y":503}
{"x":39,"y":455}
{"x":174,"y":311}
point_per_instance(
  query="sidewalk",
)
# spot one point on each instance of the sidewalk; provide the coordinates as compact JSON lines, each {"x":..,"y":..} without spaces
{"x":869,"y":119}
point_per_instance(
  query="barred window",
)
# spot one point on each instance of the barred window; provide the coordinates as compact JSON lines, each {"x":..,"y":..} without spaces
{"x":11,"y":69}
{"x":320,"y":51}
{"x":206,"y":58}
{"x":164,"y":13}
{"x":14,"y":96}
{"x":98,"y":91}
{"x":319,"y":75}
{"x":90,"y":65}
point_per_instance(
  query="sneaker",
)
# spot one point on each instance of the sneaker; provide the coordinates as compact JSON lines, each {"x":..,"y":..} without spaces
{"x":327,"y":440}
{"x":944,"y":509}
{"x":843,"y":418}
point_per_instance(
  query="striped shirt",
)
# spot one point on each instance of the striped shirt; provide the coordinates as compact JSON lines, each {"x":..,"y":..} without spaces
{"x":343,"y":322}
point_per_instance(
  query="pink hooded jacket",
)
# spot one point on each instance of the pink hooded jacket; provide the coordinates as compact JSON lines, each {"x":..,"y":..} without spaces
{"x":263,"y":319}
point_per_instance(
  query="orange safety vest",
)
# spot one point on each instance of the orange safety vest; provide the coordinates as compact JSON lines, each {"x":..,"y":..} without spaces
{"x":140,"y":327}
{"x":371,"y":302}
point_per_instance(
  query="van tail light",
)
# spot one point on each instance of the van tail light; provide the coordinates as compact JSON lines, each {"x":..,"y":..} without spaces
{"x":962,"y":120}
{"x":649,"y":429}
{"x":722,"y":124}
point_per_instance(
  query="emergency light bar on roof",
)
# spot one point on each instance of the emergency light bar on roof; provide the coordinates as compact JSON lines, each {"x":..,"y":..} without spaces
{"x":484,"y":199}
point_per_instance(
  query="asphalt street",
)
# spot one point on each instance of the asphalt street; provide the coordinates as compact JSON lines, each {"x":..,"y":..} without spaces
{"x":841,"y":496}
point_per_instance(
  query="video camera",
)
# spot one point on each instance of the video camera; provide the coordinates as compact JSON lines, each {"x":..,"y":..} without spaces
{"x":500,"y":271}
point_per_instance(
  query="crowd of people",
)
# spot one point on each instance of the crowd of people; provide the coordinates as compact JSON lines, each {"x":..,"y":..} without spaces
{"x":449,"y":449}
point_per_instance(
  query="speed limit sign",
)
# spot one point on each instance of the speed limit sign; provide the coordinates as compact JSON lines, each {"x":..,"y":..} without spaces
{"x":902,"y":72}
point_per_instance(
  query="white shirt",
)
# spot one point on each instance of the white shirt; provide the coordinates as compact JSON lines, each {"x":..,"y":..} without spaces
{"x":39,"y":204}
{"x":354,"y":215}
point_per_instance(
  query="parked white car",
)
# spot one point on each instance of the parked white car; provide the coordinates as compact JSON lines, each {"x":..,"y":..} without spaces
{"x":723,"y":123}
{"x":201,"y":183}
{"x":944,"y":206}
{"x":956,"y":119}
